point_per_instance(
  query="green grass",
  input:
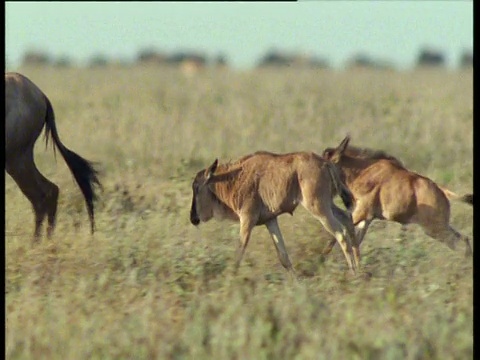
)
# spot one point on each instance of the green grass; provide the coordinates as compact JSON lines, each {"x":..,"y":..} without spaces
{"x":148,"y":284}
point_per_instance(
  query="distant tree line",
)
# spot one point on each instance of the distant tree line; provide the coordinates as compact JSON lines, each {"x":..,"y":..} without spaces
{"x":281,"y":59}
{"x":191,"y":61}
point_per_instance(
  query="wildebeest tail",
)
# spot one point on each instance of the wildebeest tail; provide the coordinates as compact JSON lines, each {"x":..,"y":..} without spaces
{"x":467,"y":198}
{"x":341,"y":189}
{"x":83,"y":170}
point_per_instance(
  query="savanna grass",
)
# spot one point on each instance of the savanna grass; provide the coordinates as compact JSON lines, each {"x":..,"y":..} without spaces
{"x":148,"y":284}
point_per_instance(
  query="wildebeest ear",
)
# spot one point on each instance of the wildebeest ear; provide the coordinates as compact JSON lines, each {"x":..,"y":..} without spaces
{"x":227,"y":176}
{"x":339,"y":150}
{"x":343,"y":145}
{"x":211,"y":170}
{"x":327,"y":153}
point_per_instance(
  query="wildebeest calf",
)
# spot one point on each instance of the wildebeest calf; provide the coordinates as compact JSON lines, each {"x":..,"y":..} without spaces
{"x":259,"y":187}
{"x":384,"y":189}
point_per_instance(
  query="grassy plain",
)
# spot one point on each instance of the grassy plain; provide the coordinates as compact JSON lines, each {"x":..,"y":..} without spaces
{"x":150,"y":285}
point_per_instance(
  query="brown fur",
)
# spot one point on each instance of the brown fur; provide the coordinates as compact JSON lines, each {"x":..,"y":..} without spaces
{"x":367,"y":153}
{"x":259,"y":187}
{"x":384,"y":189}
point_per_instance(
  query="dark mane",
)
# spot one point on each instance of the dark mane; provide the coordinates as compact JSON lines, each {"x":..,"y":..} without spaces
{"x":367,"y":153}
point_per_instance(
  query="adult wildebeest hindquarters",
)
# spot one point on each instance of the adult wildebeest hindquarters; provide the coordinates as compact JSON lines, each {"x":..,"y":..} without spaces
{"x":384,"y":189}
{"x":27,"y":110}
{"x":259,"y":187}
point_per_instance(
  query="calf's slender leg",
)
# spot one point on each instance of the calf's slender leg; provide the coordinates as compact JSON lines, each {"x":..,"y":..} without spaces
{"x":277,"y":238}
{"x":246,"y":227}
{"x":324,"y":213}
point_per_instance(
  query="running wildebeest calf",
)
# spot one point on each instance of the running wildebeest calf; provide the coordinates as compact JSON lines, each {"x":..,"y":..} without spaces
{"x":259,"y":187}
{"x":27,"y":110}
{"x":384,"y":189}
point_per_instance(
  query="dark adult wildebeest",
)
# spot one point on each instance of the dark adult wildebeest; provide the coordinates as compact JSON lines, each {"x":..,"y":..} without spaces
{"x":27,"y":110}
{"x":384,"y":189}
{"x":259,"y":187}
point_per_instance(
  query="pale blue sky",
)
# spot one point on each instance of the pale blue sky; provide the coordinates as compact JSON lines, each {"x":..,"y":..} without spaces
{"x":394,"y":31}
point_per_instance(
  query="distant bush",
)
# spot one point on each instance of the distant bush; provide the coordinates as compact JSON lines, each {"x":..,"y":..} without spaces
{"x":182,"y":57}
{"x":466,"y":59}
{"x":276,"y":58}
{"x":98,"y":60}
{"x":63,"y":62}
{"x":220,"y":60}
{"x":151,"y":56}
{"x":364,"y":61}
{"x":36,"y":58}
{"x":429,"y":57}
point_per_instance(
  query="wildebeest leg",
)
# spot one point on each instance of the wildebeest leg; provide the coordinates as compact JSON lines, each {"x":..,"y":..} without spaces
{"x":361,"y":219}
{"x":346,"y":220}
{"x":329,"y":246}
{"x":450,"y":236}
{"x":468,"y":248}
{"x":42,"y":193}
{"x":246,"y":227}
{"x":52,"y":208}
{"x":277,"y":238}
{"x":361,"y":229}
{"x":324,"y":213}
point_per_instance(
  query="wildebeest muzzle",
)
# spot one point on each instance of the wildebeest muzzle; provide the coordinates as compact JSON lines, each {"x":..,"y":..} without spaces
{"x":194,"y":219}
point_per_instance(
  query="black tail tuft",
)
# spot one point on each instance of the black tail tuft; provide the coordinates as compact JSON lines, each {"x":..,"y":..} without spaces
{"x":347,"y":198}
{"x":83,"y":170}
{"x":87,"y":177}
{"x":468,"y":198}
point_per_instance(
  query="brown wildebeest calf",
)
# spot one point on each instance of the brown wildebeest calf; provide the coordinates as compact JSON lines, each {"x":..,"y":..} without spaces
{"x":27,"y":112}
{"x":384,"y":189}
{"x":259,"y":187}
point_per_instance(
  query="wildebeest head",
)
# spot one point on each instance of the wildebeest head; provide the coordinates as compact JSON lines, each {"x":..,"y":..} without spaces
{"x":202,"y":199}
{"x":206,"y":201}
{"x":335,"y":154}
{"x":339,"y":153}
